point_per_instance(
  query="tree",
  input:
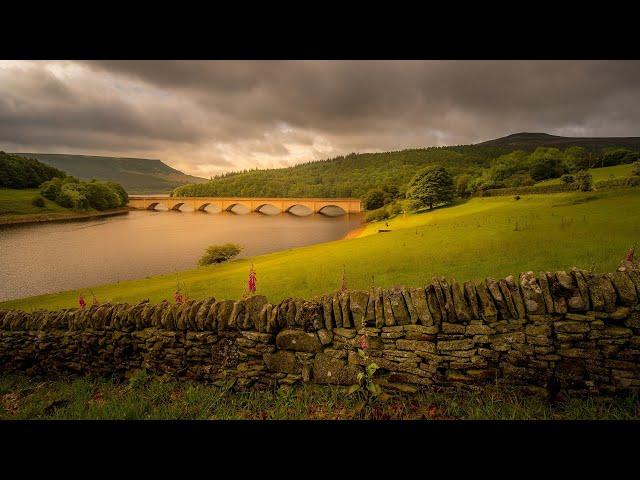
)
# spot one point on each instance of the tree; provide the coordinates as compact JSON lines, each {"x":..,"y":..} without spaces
{"x":584,"y":180}
{"x":374,"y":199}
{"x":635,"y":168}
{"x":431,"y":186}
{"x":220,"y":253}
{"x":463,"y":185}
{"x":567,"y":179}
{"x":546,"y":163}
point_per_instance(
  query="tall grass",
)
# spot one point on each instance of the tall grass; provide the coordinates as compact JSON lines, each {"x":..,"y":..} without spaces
{"x":162,"y":398}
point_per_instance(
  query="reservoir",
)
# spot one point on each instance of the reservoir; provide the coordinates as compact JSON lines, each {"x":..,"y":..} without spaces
{"x":51,"y":257}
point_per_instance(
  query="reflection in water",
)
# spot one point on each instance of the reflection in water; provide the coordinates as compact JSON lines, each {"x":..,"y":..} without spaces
{"x":47,"y":258}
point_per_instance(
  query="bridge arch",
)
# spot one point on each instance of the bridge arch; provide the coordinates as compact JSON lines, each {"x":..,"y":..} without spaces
{"x":176,"y":207}
{"x":299,"y":206}
{"x":153,"y":206}
{"x":259,"y":208}
{"x":340,"y":211}
{"x":230,"y":207}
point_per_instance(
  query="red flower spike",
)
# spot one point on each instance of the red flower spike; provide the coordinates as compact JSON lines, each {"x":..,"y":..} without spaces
{"x":252,"y":280}
{"x":630,"y":255}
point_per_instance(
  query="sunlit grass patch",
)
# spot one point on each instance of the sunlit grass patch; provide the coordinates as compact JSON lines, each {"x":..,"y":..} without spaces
{"x":491,"y":236}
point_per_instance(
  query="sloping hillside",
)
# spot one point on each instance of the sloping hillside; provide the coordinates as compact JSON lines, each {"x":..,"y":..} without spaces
{"x":136,"y":175}
{"x":355,"y":174}
{"x":21,"y":172}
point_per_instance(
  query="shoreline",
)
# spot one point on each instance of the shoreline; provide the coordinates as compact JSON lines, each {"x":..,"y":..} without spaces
{"x":54,"y":217}
{"x":355,"y":233}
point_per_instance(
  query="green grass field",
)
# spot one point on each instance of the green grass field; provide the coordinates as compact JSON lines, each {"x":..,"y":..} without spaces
{"x":18,"y":202}
{"x":491,"y":236}
{"x":599,"y":174}
{"x":161,"y":398}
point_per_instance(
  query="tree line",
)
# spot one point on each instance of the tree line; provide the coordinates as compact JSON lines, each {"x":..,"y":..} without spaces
{"x":385,"y":177}
{"x":21,"y":172}
{"x":71,"y":192}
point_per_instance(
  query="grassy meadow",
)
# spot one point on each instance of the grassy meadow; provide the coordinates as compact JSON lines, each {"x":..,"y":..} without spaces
{"x":143,"y":397}
{"x":490,"y":236}
{"x":14,"y":202}
{"x":599,"y":174}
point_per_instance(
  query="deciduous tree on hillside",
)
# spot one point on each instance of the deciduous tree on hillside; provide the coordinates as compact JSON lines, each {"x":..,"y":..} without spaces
{"x":374,"y":199}
{"x":431,"y":186}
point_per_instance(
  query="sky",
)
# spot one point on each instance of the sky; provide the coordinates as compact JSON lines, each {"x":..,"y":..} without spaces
{"x":210,"y":117}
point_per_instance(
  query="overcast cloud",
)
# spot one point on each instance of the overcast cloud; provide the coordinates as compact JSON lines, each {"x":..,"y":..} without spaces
{"x":205,"y":118}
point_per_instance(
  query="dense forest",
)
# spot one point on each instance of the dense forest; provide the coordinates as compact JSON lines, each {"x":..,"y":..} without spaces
{"x":21,"y":172}
{"x":510,"y":162}
{"x":352,"y":175}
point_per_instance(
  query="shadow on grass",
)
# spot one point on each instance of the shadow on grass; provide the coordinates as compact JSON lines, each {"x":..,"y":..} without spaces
{"x":456,"y":203}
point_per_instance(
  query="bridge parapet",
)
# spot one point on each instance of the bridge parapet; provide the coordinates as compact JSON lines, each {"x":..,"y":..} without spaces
{"x":253,"y":204}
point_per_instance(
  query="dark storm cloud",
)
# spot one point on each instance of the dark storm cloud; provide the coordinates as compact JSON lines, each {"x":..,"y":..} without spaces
{"x":205,"y":116}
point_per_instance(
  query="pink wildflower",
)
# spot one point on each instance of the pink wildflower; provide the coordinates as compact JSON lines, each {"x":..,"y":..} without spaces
{"x":82,"y":302}
{"x":363,"y":342}
{"x":630,"y":255}
{"x":252,"y":280}
{"x":178,"y":297}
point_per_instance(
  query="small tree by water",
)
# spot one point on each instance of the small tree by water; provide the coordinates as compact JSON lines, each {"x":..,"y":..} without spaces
{"x":220,"y":253}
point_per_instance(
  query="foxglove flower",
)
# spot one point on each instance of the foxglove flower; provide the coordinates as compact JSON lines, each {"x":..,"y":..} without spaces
{"x":252,"y":280}
{"x":630,"y":255}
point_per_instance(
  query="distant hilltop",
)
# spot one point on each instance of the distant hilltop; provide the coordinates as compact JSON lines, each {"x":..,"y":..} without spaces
{"x":136,"y":175}
{"x":532,"y":140}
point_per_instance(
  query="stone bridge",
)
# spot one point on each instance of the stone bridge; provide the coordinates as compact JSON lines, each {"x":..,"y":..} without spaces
{"x":315,"y":205}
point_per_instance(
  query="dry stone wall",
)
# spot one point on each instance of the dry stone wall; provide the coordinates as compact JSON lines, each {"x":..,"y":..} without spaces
{"x":575,"y":331}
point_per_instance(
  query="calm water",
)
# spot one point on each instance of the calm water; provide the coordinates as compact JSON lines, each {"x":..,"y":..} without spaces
{"x":48,"y":258}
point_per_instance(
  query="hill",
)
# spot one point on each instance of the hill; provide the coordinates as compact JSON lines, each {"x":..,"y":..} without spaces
{"x":354,"y":175}
{"x":136,"y":175}
{"x":530,"y":141}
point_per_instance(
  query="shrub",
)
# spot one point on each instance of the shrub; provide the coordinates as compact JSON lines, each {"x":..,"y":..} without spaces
{"x":395,"y":208}
{"x":101,"y":196}
{"x":377,"y":215}
{"x":635,"y":168}
{"x":567,"y":178}
{"x":120,"y":191}
{"x":51,"y":188}
{"x":38,"y":202}
{"x":584,"y":180}
{"x":220,"y":253}
{"x":633,"y":181}
{"x":374,"y":199}
{"x":73,"y":195}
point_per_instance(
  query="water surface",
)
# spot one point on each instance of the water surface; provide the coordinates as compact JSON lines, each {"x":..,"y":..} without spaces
{"x":52,"y":257}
